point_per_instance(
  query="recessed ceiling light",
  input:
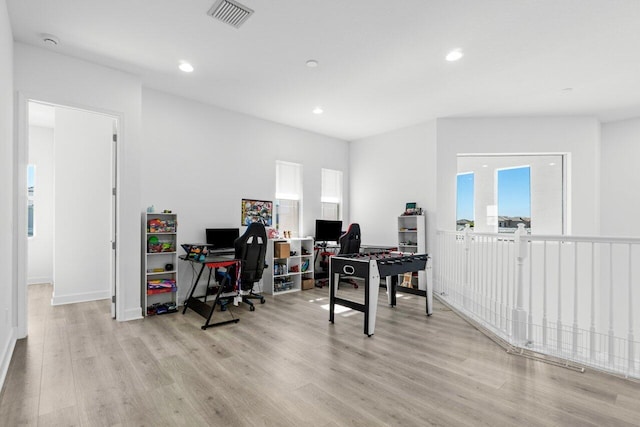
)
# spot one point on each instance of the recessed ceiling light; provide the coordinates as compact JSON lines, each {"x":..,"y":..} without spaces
{"x":485,"y":166}
{"x":186,"y":67}
{"x":454,"y":55}
{"x":552,"y":164}
{"x":312,"y":63}
{"x":318,"y":110}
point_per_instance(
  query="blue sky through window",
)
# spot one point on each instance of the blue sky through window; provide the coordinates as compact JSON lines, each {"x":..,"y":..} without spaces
{"x":464,"y":203}
{"x":514,"y":192}
{"x":31,"y":175}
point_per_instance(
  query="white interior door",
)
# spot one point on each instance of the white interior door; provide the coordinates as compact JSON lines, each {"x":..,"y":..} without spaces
{"x":83,"y":269}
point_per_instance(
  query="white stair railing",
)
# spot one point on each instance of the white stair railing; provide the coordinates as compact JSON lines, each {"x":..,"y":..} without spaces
{"x":566,"y":296}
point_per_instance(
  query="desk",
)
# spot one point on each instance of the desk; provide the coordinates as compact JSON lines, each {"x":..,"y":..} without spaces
{"x":202,"y":307}
{"x":372,"y":267}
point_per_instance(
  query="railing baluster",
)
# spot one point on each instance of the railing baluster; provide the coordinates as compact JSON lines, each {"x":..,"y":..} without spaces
{"x":485,"y":285}
{"x":476,"y":269}
{"x":544,"y":295}
{"x":574,"y":341}
{"x":466,"y":267}
{"x":494,"y":306}
{"x":630,"y":356}
{"x":592,"y":329}
{"x":559,"y":321}
{"x":611,"y":343}
{"x":502,"y":290}
{"x":530,"y":315}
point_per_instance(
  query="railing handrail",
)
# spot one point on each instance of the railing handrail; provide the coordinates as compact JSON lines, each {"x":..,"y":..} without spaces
{"x":551,"y":237}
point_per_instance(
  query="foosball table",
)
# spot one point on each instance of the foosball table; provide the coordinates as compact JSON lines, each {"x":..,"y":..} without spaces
{"x":372,"y":267}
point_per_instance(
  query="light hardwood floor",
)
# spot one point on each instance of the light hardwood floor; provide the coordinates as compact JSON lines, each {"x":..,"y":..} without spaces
{"x":286,"y":365}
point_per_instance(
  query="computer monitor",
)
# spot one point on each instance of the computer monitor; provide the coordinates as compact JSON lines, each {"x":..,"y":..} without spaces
{"x":222,"y":238}
{"x":328,"y":230}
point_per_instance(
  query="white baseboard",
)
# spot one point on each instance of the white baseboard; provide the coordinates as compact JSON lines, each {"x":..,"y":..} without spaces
{"x":80,"y":297}
{"x":132,"y":314}
{"x":38,"y":280}
{"x":5,"y":357}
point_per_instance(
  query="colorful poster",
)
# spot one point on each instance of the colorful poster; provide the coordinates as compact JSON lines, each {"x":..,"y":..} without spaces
{"x":257,"y":211}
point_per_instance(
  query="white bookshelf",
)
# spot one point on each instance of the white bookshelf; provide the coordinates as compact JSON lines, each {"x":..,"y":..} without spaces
{"x":285,"y":274}
{"x":412,"y":238}
{"x":160,"y":250}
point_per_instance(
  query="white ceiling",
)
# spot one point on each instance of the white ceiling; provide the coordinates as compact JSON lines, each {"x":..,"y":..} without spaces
{"x":382,"y":63}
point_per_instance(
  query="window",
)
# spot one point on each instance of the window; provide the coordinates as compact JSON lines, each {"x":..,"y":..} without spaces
{"x":331,"y":196}
{"x":31,"y":184}
{"x":514,"y":198}
{"x":288,"y":197}
{"x":464,"y":200}
{"x":508,"y":189}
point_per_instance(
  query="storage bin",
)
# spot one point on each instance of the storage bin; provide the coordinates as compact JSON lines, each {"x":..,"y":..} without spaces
{"x":281,"y":250}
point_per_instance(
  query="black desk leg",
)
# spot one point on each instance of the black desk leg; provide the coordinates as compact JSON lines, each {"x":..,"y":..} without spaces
{"x":213,"y":308}
{"x":193,"y":289}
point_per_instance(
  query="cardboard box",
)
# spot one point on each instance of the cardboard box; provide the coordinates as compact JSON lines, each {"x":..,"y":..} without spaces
{"x":307,"y":284}
{"x":281,"y":250}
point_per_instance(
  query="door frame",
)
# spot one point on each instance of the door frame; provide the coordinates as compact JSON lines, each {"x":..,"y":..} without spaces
{"x":20,"y":244}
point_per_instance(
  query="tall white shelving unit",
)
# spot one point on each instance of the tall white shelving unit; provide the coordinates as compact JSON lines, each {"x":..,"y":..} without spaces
{"x":286,"y":274}
{"x":160,"y":241}
{"x":412,"y":238}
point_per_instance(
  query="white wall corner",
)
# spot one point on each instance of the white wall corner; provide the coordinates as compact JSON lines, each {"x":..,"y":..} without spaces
{"x":5,"y":357}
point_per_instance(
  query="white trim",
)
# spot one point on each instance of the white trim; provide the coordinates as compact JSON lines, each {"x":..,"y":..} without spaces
{"x":7,"y":353}
{"x":80,"y":297}
{"x":39,"y":280}
{"x":132,"y":314}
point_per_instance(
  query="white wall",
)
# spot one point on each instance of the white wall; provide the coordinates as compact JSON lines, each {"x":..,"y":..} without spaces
{"x":579,"y":137}
{"x":40,"y":247}
{"x":620,"y":179}
{"x":8,"y":297}
{"x":45,"y":75}
{"x":388,"y":170}
{"x":200,"y":161}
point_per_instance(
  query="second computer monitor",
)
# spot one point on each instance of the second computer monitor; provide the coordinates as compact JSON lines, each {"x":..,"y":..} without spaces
{"x":328,"y":231}
{"x":222,"y":238}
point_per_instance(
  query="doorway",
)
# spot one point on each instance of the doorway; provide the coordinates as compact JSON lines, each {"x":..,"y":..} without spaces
{"x":71,"y":211}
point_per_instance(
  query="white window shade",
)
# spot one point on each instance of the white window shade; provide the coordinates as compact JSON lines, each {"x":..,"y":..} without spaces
{"x":331,"y":186}
{"x":288,"y":181}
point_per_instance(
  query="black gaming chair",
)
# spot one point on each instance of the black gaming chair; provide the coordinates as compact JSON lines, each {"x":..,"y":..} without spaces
{"x":251,"y":249}
{"x":350,"y":244}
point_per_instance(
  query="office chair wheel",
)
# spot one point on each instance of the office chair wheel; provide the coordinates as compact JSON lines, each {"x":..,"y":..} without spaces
{"x":262,"y":301}
{"x":252,"y":308}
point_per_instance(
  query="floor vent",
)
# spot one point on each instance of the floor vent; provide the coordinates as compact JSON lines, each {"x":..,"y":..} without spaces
{"x":230,"y":12}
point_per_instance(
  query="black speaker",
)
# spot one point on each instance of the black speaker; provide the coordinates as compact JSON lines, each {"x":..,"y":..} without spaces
{"x":168,"y":267}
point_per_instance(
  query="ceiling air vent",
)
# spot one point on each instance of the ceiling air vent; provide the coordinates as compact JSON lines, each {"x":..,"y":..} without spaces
{"x":230,"y":12}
